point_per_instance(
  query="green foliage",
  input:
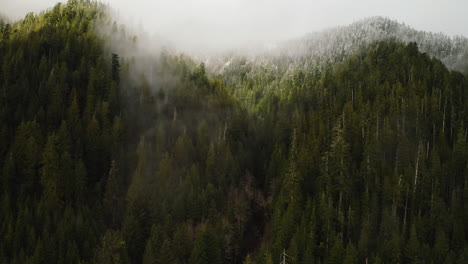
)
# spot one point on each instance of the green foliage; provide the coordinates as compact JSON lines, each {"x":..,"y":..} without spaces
{"x":363,"y":161}
{"x":112,"y":249}
{"x":206,"y":248}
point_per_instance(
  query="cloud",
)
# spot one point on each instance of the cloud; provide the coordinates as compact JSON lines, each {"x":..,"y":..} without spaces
{"x":218,"y":24}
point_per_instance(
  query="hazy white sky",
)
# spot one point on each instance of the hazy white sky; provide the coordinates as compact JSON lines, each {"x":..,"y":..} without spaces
{"x":213,"y":23}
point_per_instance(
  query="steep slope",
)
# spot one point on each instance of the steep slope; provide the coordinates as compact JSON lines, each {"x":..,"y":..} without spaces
{"x":113,"y":155}
{"x":343,"y":41}
{"x":334,"y":45}
{"x":370,"y":163}
{"x":55,"y":134}
{"x":359,"y":148}
{"x":100,"y":163}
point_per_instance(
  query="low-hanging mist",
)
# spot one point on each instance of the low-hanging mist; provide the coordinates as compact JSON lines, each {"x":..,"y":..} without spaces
{"x":207,"y":25}
{"x":120,"y":145}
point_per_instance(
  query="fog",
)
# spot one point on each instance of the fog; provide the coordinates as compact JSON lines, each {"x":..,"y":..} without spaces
{"x":221,"y":24}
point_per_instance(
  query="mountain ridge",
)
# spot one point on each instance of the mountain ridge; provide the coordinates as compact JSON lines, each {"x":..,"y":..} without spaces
{"x":112,"y":154}
{"x":333,"y":45}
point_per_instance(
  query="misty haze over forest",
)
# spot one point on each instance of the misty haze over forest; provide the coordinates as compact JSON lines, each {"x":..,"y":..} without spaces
{"x":204,"y":25}
{"x":240,"y":132}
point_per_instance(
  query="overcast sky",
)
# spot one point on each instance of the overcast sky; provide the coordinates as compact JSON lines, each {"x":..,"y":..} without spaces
{"x":222,"y":22}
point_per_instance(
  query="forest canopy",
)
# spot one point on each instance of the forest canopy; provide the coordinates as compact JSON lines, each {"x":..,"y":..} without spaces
{"x":111,"y":156}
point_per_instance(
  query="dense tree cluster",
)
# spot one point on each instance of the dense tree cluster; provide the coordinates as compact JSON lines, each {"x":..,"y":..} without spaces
{"x":365,"y":161}
{"x":325,"y":48}
{"x":368,"y":159}
{"x":56,"y":135}
{"x":341,"y":42}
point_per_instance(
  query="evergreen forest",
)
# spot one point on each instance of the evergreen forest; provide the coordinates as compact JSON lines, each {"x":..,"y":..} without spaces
{"x":110,"y":155}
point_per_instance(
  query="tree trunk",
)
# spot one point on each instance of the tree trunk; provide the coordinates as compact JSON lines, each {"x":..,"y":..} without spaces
{"x":416,"y":169}
{"x":406,"y":210}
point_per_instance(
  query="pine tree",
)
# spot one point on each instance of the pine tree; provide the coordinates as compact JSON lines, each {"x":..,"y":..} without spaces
{"x":153,"y":246}
{"x":351,"y":255}
{"x":248,"y":260}
{"x":112,"y":249}
{"x":6,"y":35}
{"x":441,"y":245}
{"x":413,"y":246}
{"x":199,"y":253}
{"x":115,"y":68}
{"x":293,"y":179}
{"x":51,"y":174}
{"x":337,"y":253}
{"x":113,"y":196}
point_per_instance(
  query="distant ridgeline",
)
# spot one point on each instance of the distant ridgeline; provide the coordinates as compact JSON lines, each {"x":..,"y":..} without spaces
{"x":344,"y":41}
{"x":347,"y":146}
{"x":334,"y":45}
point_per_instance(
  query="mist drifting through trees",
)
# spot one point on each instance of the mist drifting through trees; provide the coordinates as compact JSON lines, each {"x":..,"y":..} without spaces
{"x":348,"y":145}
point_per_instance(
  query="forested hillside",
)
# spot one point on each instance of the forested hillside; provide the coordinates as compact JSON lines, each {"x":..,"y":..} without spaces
{"x":334,"y":45}
{"x":112,"y":155}
{"x":60,"y":129}
{"x":343,"y":41}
